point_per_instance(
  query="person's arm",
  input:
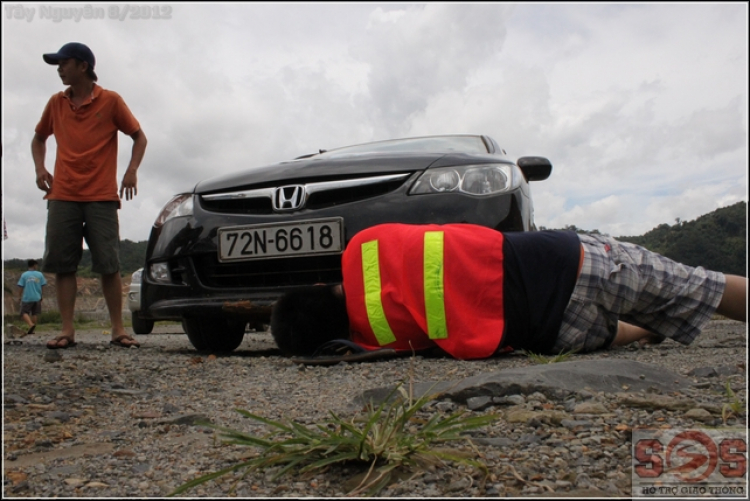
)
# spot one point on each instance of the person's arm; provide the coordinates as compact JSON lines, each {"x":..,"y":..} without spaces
{"x":628,"y":333}
{"x":38,"y":153}
{"x":129,"y":185}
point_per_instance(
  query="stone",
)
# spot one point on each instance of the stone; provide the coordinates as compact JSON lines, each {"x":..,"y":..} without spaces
{"x":653,"y":402}
{"x":63,"y":417}
{"x":14,"y":399}
{"x":52,"y":356}
{"x":573,"y":424}
{"x":521,"y":416}
{"x":698,"y":414}
{"x":495,"y":442}
{"x":189,"y":419}
{"x":478,"y":403}
{"x":703,"y":372}
{"x":590,"y":408}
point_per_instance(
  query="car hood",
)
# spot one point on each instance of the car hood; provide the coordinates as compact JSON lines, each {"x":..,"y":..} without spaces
{"x":322,"y":168}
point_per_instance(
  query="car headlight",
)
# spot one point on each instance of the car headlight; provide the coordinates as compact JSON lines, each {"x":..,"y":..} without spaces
{"x":180,"y":205}
{"x":485,"y":179}
{"x":160,"y":272}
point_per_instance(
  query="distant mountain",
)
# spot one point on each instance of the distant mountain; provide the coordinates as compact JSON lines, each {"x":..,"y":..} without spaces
{"x":717,"y":241}
{"x":132,"y":257}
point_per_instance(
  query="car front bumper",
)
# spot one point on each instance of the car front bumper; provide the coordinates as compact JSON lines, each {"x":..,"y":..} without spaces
{"x":199,"y":284}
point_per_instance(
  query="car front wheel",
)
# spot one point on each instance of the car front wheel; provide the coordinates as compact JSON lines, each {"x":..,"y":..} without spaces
{"x":141,"y":325}
{"x":216,"y":334}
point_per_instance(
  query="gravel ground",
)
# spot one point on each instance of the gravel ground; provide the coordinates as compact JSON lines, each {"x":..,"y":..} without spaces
{"x":109,"y":422}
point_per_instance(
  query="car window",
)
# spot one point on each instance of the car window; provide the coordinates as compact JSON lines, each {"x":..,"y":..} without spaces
{"x":434,"y":144}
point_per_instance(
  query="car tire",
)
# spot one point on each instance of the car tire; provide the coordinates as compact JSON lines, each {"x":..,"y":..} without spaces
{"x":214,"y":334}
{"x":141,"y":325}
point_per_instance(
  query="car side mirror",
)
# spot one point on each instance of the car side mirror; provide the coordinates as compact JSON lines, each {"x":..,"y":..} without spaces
{"x":535,"y":168}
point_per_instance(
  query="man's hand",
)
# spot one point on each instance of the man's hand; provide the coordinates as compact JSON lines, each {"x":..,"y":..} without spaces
{"x":130,"y":179}
{"x":129,"y":184}
{"x":38,"y":152}
{"x":44,"y":180}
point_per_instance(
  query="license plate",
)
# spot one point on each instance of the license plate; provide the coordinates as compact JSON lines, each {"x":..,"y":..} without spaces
{"x":300,"y":238}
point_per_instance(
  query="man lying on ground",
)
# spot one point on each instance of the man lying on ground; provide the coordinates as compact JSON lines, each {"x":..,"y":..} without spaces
{"x":475,"y":292}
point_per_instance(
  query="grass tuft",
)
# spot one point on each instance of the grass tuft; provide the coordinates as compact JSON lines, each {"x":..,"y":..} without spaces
{"x":542,"y":359}
{"x":387,"y":440}
{"x":734,"y":408}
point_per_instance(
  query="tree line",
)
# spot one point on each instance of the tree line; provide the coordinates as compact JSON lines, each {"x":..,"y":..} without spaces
{"x":716,"y":241}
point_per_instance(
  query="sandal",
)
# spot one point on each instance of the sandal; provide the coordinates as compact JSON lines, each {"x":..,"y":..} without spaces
{"x":119,"y":342}
{"x":55,"y":343}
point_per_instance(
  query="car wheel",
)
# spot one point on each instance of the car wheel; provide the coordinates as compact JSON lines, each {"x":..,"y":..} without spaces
{"x":214,"y":333}
{"x":141,"y":325}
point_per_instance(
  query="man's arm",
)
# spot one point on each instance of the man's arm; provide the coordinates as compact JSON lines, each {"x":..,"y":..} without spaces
{"x":130,"y":180}
{"x":38,"y":153}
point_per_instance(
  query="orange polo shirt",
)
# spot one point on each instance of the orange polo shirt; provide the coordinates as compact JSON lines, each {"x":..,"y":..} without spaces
{"x":86,"y":136}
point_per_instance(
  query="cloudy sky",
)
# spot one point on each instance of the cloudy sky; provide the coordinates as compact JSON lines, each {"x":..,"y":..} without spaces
{"x":642,"y":108}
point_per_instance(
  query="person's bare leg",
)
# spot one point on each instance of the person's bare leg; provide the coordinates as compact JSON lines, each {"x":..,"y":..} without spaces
{"x":627,"y":333}
{"x":112,"y":289}
{"x":734,"y":301}
{"x":26,"y":318}
{"x":67,"y":288}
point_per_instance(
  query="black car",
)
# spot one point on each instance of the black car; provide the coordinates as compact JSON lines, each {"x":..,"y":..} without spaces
{"x":218,"y":257}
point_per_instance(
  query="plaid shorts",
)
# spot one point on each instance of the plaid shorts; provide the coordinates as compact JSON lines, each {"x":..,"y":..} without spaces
{"x":623,"y":281}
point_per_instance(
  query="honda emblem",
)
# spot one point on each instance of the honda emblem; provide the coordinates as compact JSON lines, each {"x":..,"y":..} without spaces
{"x":289,"y":198}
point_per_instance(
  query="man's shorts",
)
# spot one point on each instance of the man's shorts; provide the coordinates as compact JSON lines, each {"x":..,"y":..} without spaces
{"x":623,"y":281}
{"x":68,"y":223}
{"x":31,"y":308}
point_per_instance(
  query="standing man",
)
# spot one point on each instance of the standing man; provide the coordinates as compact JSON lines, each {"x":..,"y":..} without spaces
{"x":31,"y":283}
{"x":82,"y":197}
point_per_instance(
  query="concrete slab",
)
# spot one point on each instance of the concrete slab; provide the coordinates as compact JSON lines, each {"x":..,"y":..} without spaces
{"x":556,"y":381}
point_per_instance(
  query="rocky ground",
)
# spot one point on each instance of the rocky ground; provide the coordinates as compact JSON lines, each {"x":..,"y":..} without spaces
{"x":104,"y":421}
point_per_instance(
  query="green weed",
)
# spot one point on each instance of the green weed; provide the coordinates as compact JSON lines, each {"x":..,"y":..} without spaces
{"x":387,"y":441}
{"x":542,"y":359}
{"x":735,"y":406}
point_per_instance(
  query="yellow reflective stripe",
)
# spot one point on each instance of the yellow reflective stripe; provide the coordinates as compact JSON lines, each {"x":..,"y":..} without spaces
{"x":373,"y":302}
{"x":434,"y":292}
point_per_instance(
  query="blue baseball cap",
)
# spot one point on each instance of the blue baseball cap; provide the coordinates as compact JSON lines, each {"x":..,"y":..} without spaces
{"x":71,"y":50}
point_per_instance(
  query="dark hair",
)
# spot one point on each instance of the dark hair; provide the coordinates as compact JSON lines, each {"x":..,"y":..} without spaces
{"x":90,"y":73}
{"x":31,"y":263}
{"x":306,"y":317}
{"x":89,"y":70}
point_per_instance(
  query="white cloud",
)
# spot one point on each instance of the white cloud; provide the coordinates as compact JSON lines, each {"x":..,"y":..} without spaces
{"x":642,"y":108}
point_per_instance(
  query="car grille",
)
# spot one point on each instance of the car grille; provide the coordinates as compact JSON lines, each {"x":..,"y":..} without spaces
{"x":319,"y":195}
{"x":268,"y":272}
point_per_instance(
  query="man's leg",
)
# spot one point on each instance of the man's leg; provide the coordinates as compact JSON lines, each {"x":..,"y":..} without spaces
{"x":67,"y":288}
{"x":62,"y":253}
{"x":102,"y":236}
{"x":26,"y":318}
{"x":734,"y":301}
{"x":112,"y":288}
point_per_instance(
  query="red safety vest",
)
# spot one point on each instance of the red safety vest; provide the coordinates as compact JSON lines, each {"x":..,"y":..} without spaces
{"x":414,"y":286}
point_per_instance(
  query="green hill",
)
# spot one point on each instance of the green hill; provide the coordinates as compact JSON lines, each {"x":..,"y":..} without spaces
{"x":132,"y":257}
{"x":717,"y":241}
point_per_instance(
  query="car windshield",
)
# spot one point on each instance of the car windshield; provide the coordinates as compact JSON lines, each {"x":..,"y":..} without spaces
{"x":433,"y":144}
